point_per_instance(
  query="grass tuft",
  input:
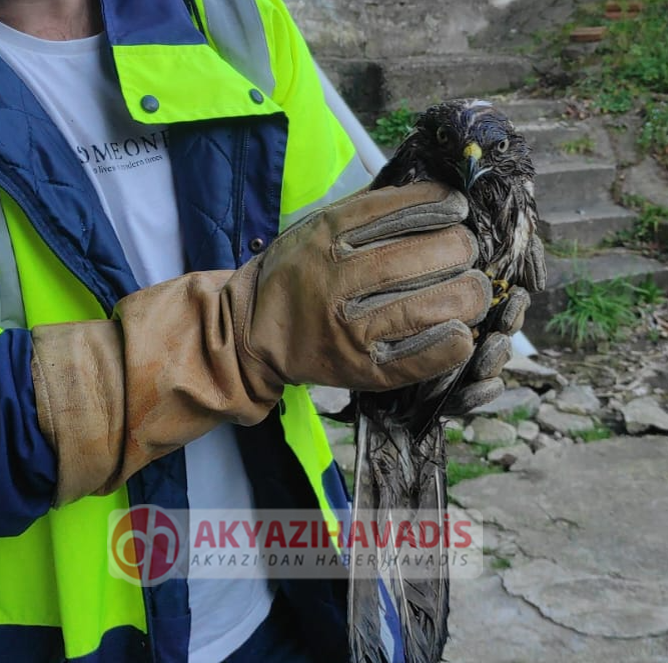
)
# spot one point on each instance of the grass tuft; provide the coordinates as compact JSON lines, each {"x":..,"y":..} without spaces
{"x":461,"y":471}
{"x":392,"y":127}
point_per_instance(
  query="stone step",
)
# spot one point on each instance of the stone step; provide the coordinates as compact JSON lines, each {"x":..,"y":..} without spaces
{"x":556,"y":137}
{"x":523,"y":110}
{"x":588,"y":226}
{"x":372,"y":86}
{"x":600,"y":268}
{"x":428,"y":80}
{"x":562,"y":184}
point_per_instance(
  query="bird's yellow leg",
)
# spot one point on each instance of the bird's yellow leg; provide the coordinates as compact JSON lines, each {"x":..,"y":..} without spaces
{"x":500,"y":289}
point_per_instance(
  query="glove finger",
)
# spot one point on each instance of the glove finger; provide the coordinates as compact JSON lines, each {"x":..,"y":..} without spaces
{"x":472,"y":396}
{"x":401,"y":316}
{"x":405,"y":263}
{"x":511,"y":317}
{"x":535,"y":272}
{"x":490,"y":357}
{"x":395,"y":211}
{"x":435,"y":351}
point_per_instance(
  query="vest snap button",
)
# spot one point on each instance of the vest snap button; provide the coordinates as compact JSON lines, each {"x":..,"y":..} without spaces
{"x":256,"y":96}
{"x":149,"y":103}
{"x":256,"y":244}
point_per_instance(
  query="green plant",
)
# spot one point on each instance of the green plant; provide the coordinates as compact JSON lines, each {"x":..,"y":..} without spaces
{"x":482,"y":450}
{"x":646,"y":226}
{"x":583,"y":145}
{"x":501,"y":563}
{"x":654,"y":133}
{"x":517,"y":415}
{"x":393,"y":127}
{"x":460,"y":471}
{"x":595,"y":312}
{"x":604,"y":311}
{"x":653,"y":335}
{"x":593,"y":434}
{"x":649,"y":293}
{"x":613,"y":101}
{"x":454,"y":435}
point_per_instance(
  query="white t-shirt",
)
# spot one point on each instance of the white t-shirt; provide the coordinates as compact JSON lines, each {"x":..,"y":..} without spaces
{"x":129,"y":166}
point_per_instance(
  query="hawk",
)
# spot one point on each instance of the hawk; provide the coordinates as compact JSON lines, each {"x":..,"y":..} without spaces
{"x":401,"y":461}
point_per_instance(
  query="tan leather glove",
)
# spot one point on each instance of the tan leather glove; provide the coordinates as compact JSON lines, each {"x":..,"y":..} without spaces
{"x":373,"y":293}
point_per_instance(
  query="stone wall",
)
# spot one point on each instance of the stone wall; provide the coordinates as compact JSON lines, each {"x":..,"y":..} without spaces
{"x":379,"y":54}
{"x":376,"y":29}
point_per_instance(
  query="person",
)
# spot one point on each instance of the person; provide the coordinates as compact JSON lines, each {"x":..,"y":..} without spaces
{"x":149,"y":155}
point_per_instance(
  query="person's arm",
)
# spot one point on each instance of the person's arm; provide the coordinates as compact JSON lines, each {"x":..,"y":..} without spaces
{"x":373,"y":293}
{"x":28,"y":466}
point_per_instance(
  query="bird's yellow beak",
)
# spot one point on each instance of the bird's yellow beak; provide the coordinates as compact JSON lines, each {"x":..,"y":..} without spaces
{"x":469,"y":169}
{"x":473,"y":150}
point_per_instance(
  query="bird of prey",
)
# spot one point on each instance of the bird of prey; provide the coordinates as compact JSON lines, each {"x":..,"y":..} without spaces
{"x":401,"y":461}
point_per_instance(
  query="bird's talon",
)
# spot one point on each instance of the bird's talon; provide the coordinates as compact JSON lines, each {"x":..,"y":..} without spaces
{"x":501,"y":297}
{"x":500,"y":288}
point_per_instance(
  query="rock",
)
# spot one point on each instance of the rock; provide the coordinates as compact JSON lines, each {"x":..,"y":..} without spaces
{"x":528,"y":430}
{"x":493,"y":431}
{"x":329,"y":399}
{"x":641,"y":414}
{"x":522,"y":399}
{"x":573,"y":598}
{"x":578,"y":399}
{"x":531,"y":373}
{"x":549,"y":396}
{"x":551,"y":419}
{"x":469,"y":434}
{"x":544,"y":441}
{"x":506,"y":457}
{"x":614,"y":404}
{"x":344,"y":454}
{"x":590,"y":588}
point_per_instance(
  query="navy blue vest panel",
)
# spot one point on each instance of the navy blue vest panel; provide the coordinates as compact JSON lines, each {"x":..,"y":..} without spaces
{"x":129,"y":22}
{"x":228,"y":177}
{"x":42,"y":173}
{"x":32,"y":644}
{"x":27,"y":463}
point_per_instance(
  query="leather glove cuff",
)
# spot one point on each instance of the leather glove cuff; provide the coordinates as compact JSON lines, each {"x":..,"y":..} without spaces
{"x":114,"y":395}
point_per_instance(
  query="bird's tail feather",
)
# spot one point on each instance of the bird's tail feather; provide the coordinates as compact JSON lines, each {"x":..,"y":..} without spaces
{"x":399,"y":475}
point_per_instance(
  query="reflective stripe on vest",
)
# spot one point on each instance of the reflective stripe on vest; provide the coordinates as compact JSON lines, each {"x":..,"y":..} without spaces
{"x":11,"y":301}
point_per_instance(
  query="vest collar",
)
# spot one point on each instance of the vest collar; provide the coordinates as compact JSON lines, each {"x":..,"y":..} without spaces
{"x":168,"y":72}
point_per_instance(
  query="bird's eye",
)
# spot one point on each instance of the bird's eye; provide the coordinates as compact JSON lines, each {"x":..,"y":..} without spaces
{"x":503,"y":145}
{"x":442,"y":135}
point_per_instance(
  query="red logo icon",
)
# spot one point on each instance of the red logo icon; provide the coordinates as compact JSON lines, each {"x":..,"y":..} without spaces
{"x":144,"y":545}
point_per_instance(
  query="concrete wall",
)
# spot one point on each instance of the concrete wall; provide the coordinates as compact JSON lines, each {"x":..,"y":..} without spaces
{"x":376,"y":29}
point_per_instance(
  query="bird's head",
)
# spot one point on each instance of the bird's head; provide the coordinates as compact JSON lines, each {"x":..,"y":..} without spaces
{"x":467,"y":140}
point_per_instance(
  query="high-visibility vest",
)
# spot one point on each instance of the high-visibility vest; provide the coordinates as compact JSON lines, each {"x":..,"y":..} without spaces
{"x":253,"y":148}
